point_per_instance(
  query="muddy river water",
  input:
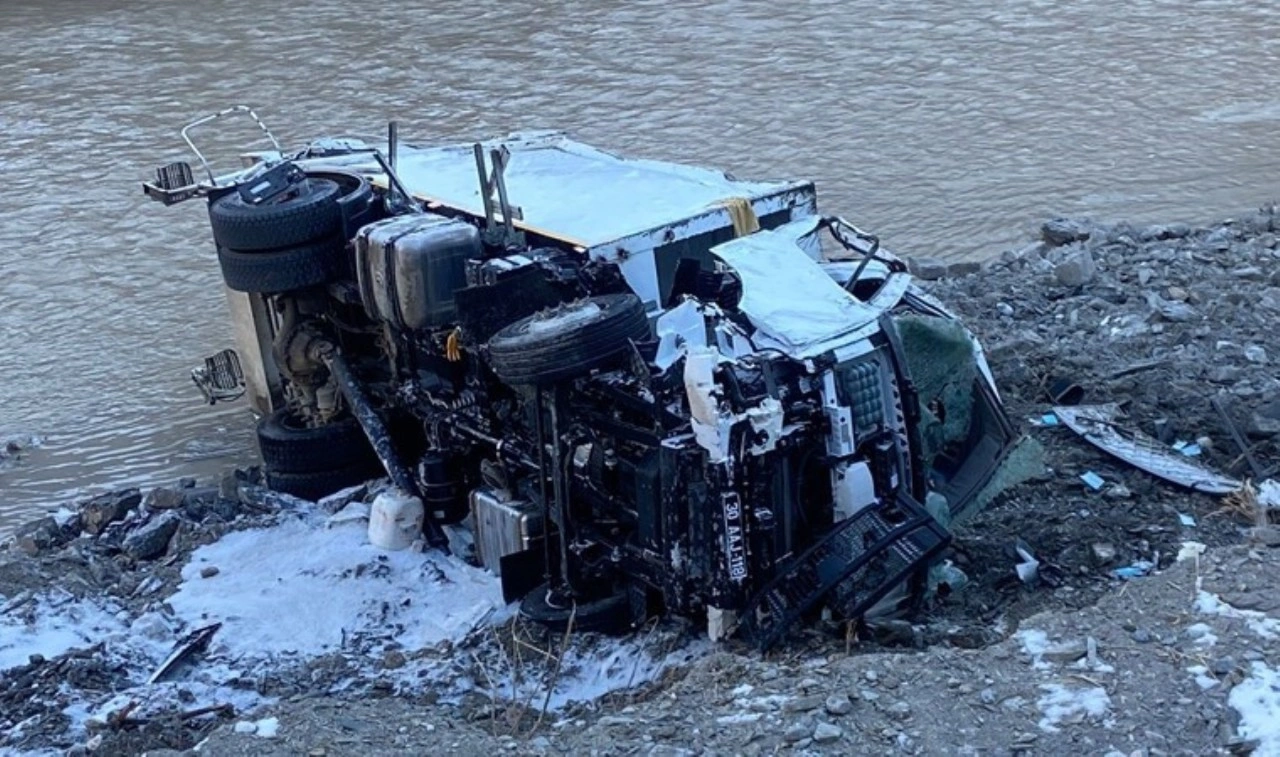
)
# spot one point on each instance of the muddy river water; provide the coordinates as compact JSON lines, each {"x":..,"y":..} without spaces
{"x":950,"y":128}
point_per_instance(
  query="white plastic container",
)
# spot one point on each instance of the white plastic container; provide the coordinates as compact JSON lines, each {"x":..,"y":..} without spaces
{"x":395,"y":520}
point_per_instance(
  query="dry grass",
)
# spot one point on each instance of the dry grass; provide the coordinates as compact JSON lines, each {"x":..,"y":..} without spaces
{"x":1243,"y":505}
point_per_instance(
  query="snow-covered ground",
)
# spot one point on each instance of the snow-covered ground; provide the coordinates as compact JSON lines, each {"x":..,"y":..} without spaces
{"x":309,"y":586}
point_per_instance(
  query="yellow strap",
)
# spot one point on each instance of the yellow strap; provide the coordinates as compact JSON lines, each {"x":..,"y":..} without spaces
{"x":743,"y":216}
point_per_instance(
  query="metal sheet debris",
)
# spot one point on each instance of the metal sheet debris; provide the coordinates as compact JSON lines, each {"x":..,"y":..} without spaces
{"x":1097,"y":425}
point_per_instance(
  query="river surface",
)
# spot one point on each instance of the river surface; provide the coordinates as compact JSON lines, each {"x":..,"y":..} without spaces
{"x":949,"y":128}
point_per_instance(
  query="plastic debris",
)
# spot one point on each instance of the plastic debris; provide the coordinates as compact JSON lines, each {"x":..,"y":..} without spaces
{"x":1136,"y":570}
{"x":1190,"y":550}
{"x":1190,"y":449}
{"x":1092,"y":480}
{"x":1029,"y":568}
{"x":1049,"y":419}
{"x":1186,"y":520}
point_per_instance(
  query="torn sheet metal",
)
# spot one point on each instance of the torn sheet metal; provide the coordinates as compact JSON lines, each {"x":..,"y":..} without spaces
{"x":1097,"y":424}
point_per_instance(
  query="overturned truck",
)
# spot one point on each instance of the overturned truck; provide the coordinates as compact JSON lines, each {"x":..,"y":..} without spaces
{"x":642,"y":387}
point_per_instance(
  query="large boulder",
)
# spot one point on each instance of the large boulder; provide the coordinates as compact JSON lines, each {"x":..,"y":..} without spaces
{"x":1060,"y":231}
{"x":1076,"y":269}
{"x":97,"y":513}
{"x":152,"y":539}
{"x":40,"y":536}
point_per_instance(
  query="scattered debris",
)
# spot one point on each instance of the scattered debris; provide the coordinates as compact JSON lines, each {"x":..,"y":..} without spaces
{"x":189,"y":645}
{"x":1097,"y":425}
{"x":1028,"y":567}
{"x":1092,"y":480}
{"x":1136,"y":570}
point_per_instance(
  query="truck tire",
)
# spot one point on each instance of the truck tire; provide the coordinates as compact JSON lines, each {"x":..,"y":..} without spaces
{"x":307,"y":212}
{"x":608,"y":614}
{"x":568,"y":340}
{"x":287,"y":446}
{"x":319,"y":484}
{"x":283,"y":270}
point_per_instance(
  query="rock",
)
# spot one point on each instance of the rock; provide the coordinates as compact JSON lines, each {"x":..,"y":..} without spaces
{"x":1175,"y":312}
{"x":1118,"y":491}
{"x":893,"y":632}
{"x":163,"y":498}
{"x":1103,"y":553}
{"x":928,"y":269}
{"x":1265,"y":420}
{"x":838,"y":704}
{"x":1267,"y":536}
{"x":1004,"y":309}
{"x":804,"y":704}
{"x":99,"y":512}
{"x":209,"y":571}
{"x":1060,"y":231}
{"x":826,"y":733}
{"x":1077,"y":269}
{"x":899,"y":710}
{"x":41,"y":535}
{"x":1177,"y":294}
{"x":960,"y":268}
{"x":1255,"y":353}
{"x":1065,"y":652}
{"x":394,"y":660}
{"x":1142,"y":636}
{"x":796,"y":732}
{"x":151,"y":540}
{"x":1223,"y":666}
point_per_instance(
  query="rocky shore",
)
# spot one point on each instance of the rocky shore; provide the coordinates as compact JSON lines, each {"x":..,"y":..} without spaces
{"x":1151,"y":624}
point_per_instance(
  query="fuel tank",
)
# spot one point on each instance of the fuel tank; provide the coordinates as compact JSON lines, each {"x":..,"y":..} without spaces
{"x":408,"y":268}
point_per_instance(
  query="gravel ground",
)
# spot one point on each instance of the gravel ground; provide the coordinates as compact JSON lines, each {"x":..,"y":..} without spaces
{"x":1159,"y":319}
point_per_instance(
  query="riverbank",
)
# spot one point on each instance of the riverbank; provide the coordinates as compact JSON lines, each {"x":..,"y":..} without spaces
{"x":328,"y":647}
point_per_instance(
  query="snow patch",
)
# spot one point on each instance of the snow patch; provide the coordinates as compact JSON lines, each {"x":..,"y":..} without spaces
{"x":1257,"y":699}
{"x":1061,"y":703}
{"x":1203,"y":679}
{"x":1209,"y":603}
{"x":54,"y":623}
{"x":1202,"y":634}
{"x":1034,"y":643}
{"x":266,"y":728}
{"x":300,"y":588}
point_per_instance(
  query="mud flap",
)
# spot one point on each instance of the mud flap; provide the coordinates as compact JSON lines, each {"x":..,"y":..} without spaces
{"x":862,"y":559}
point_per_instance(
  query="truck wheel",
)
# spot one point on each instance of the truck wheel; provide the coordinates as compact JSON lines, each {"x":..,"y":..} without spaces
{"x":318,"y":484}
{"x":288,"y":446}
{"x":608,"y":614}
{"x":283,"y":270}
{"x":303,"y":214}
{"x":568,"y":340}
